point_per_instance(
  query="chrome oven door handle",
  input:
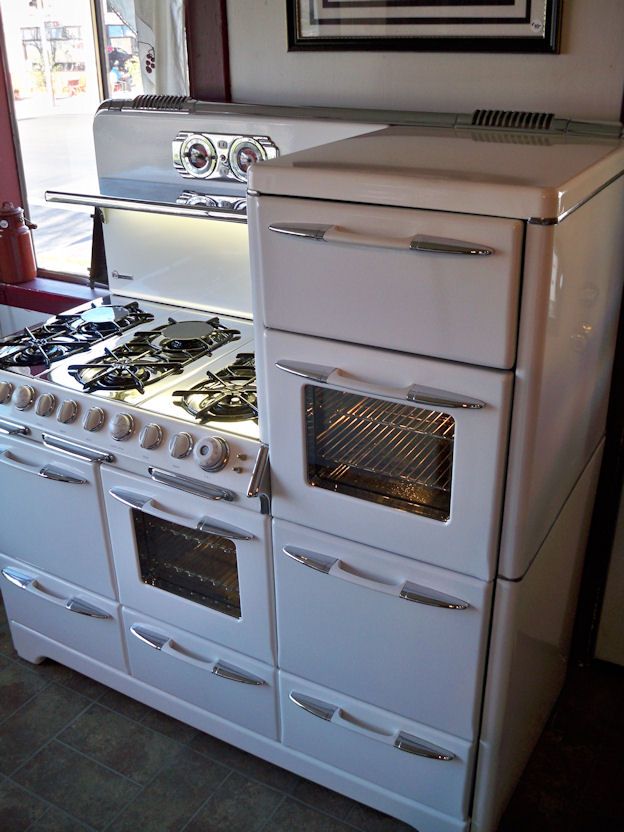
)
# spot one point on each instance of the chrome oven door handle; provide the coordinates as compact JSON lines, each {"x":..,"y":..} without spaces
{"x":81,"y":607}
{"x":417,"y":394}
{"x":17,"y":578}
{"x":147,"y":505}
{"x":29,"y":582}
{"x":76,"y":450}
{"x":418,"y":243}
{"x":48,"y":472}
{"x":202,"y":489}
{"x":11,"y":429}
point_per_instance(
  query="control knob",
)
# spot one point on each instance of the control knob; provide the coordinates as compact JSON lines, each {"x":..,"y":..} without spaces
{"x":212,"y":453}
{"x":6,"y":389}
{"x":67,"y":412}
{"x":151,"y":436}
{"x":45,"y":404}
{"x":121,"y":426}
{"x":181,"y":445}
{"x":94,"y":419}
{"x":24,"y":396}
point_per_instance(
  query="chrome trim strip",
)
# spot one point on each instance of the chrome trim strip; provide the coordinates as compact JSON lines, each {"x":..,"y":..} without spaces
{"x":11,"y":429}
{"x":202,"y":489}
{"x":440,"y":246}
{"x":136,"y":501}
{"x":412,"y":745}
{"x":83,"y":608}
{"x":49,"y":472}
{"x":313,"y":706}
{"x":235,"y":675}
{"x":259,"y":470}
{"x":16,"y":578}
{"x":205,"y":525}
{"x":422,"y":595}
{"x":317,"y":562}
{"x":303,"y":229}
{"x":157,"y":642}
{"x":561,"y":217}
{"x":76,"y":450}
{"x":441,"y":398}
{"x":315,"y":372}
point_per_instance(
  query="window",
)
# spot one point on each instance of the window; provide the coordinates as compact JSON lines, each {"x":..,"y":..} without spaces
{"x":64,"y":57}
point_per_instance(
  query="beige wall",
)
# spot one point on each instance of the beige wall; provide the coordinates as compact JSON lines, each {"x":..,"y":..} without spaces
{"x":584,"y":80}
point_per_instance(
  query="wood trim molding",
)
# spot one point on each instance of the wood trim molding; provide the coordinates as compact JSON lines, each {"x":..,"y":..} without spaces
{"x":10,"y":187}
{"x":208,"y":52}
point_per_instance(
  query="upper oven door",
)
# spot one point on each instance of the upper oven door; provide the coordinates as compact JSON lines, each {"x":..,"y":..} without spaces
{"x":402,"y":453}
{"x":202,"y":565}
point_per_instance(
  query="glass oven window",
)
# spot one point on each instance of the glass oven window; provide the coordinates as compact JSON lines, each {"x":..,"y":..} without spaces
{"x":397,"y":454}
{"x":192,"y":564}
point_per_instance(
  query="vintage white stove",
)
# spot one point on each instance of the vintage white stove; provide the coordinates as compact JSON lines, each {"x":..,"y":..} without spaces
{"x":434,"y":305}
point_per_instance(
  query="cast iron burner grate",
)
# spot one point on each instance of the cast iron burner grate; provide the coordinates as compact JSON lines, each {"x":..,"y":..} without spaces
{"x":226,"y":396}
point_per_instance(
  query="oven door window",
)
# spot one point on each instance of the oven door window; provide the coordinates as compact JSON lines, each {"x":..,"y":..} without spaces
{"x":192,"y":564}
{"x":396,"y":454}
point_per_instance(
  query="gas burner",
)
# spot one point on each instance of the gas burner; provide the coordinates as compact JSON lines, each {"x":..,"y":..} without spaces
{"x":186,"y":340}
{"x":229,"y":395}
{"x":123,"y":368}
{"x":39,"y":347}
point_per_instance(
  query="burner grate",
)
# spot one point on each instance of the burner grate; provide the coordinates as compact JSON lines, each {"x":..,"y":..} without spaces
{"x":226,"y":396}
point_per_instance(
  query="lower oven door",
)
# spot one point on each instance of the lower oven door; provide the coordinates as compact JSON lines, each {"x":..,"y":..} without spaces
{"x":52,"y":514}
{"x":403,"y":453}
{"x":201,"y":565}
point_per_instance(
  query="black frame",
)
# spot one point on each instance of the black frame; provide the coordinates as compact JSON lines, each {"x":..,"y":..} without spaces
{"x":548,"y":43}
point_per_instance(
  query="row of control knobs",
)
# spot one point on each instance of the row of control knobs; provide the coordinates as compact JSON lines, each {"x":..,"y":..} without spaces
{"x":212,"y":453}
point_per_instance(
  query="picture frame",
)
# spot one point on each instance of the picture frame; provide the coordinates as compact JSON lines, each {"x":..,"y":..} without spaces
{"x":531,"y":26}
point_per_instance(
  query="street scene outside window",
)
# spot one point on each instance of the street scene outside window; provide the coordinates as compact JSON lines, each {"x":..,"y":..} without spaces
{"x":64,"y":57}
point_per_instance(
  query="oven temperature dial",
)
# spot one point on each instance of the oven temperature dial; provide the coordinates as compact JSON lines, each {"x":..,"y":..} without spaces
{"x":45,"y":404}
{"x":94,"y":419}
{"x":6,"y":390}
{"x":121,"y":426}
{"x":181,"y":445}
{"x":212,"y":453}
{"x":24,"y":396}
{"x":67,"y":412}
{"x":151,"y":436}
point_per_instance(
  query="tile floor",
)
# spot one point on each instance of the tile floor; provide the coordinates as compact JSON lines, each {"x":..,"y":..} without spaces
{"x":77,"y":757}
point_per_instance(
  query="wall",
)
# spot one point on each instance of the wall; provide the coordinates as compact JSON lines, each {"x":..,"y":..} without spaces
{"x":584,"y":80}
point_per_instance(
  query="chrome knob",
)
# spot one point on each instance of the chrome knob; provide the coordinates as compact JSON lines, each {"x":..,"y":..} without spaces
{"x":121,"y":426}
{"x":45,"y":404}
{"x":212,"y":453}
{"x":94,"y":419}
{"x":24,"y":396}
{"x":67,"y":412}
{"x":181,"y":445}
{"x":151,"y":436}
{"x":6,"y":390}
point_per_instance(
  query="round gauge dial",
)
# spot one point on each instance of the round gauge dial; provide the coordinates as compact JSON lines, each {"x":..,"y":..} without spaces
{"x":243,"y":153}
{"x":198,"y":155}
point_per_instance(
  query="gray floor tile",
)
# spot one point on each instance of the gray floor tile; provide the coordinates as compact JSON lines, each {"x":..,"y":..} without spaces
{"x":247,"y":764}
{"x":17,"y":685}
{"x":6,"y":642}
{"x":62,"y":675}
{"x":324,"y":799}
{"x":369,"y":820}
{"x":174,"y":795}
{"x":240,"y":804}
{"x":18,"y":810}
{"x":291,"y":816}
{"x":35,"y":723}
{"x":56,"y":821}
{"x":76,"y":784}
{"x":172,"y":728}
{"x":124,"y":705}
{"x":120,"y":743}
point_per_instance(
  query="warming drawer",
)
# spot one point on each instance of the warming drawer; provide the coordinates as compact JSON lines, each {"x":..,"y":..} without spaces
{"x":423,"y":282}
{"x":63,"y":612}
{"x":208,"y":675}
{"x":399,"y":634}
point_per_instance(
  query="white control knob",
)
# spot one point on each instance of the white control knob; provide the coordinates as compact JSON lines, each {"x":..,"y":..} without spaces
{"x":24,"y":396}
{"x":6,"y":389}
{"x":212,"y":453}
{"x":151,"y":436}
{"x":94,"y":419}
{"x":45,"y":404}
{"x":121,"y":426}
{"x":67,"y":412}
{"x":181,"y":445}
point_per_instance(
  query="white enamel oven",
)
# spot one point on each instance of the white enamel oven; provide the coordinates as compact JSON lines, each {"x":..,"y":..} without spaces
{"x":403,"y":453}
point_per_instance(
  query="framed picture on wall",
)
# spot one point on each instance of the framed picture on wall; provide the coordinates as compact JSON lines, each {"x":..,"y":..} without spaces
{"x":425,"y":25}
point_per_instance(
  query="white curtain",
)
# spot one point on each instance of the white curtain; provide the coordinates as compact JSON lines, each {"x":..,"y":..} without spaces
{"x":162,"y":46}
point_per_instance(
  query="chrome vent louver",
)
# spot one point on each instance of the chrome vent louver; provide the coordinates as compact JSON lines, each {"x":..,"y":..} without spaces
{"x":173,"y":103}
{"x":512,"y":119}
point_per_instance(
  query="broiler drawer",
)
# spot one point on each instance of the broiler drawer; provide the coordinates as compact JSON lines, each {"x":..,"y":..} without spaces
{"x":205,"y":674}
{"x":424,"y":282}
{"x":63,"y":612}
{"x":407,"y":758}
{"x":399,"y":634}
